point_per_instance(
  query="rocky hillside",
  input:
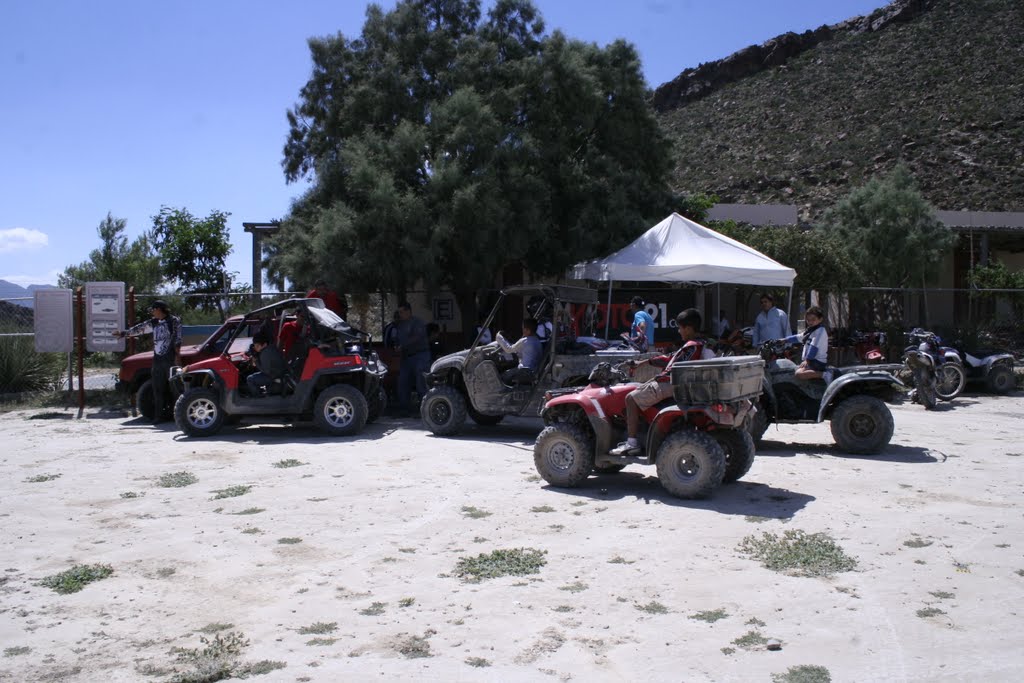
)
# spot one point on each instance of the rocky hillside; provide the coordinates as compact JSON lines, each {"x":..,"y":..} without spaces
{"x":801,"y":119}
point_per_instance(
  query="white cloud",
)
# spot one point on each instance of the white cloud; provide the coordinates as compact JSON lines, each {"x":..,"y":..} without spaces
{"x":14,"y":239}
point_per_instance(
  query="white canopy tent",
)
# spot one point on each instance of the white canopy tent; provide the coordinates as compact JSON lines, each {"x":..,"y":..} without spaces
{"x":680,"y":250}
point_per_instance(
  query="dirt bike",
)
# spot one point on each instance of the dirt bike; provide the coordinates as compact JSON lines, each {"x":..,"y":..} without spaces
{"x":696,"y":440}
{"x":950,"y":376}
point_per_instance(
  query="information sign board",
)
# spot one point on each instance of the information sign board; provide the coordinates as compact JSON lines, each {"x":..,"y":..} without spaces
{"x":104,"y":315}
{"x":53,"y":321}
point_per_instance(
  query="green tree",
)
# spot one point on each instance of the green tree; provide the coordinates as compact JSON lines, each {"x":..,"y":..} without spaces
{"x":136,"y":264}
{"x":443,"y":146}
{"x":891,"y":231}
{"x":195,"y":251}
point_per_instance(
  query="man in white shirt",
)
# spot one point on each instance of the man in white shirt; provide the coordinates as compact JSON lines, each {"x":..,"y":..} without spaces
{"x":771,"y":323}
{"x":529,"y":351}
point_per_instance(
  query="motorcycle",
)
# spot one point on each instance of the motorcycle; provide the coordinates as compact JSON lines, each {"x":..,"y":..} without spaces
{"x":697,"y":441}
{"x":921,"y":366}
{"x":950,"y":377}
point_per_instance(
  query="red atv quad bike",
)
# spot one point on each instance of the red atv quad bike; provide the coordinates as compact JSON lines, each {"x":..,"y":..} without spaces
{"x":332,"y":378}
{"x":697,"y":441}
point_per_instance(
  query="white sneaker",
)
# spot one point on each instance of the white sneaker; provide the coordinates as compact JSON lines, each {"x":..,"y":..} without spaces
{"x":625,"y":448}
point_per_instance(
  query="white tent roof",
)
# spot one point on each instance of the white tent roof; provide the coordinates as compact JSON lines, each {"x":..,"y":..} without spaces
{"x":679,"y":250}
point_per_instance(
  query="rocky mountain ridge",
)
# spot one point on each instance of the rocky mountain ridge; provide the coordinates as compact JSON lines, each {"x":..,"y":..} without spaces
{"x":937,"y":85}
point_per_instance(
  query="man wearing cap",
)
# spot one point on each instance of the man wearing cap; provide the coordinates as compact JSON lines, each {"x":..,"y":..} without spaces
{"x":166,"y":331}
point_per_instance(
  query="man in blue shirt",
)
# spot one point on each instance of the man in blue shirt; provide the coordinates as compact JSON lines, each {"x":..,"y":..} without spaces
{"x":771,"y":323}
{"x":642,"y":331}
{"x":530,"y":352}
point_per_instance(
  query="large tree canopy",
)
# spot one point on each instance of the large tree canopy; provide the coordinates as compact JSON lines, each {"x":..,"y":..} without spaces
{"x":443,"y":146}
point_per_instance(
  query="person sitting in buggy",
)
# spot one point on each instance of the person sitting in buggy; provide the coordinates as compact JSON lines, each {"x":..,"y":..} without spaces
{"x":529,"y":351}
{"x":270,"y":367}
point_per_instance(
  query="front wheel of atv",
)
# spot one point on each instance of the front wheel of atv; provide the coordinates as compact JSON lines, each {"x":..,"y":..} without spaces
{"x":481,"y":419}
{"x":1001,"y":380}
{"x":950,"y":380}
{"x":197,"y":412}
{"x":690,"y":464}
{"x":443,"y":410}
{"x":563,"y":455}
{"x":340,"y":410}
{"x":739,"y":452}
{"x":862,"y":425}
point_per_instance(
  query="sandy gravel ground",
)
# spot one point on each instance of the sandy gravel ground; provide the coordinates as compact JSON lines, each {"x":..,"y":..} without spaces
{"x":935,"y":524}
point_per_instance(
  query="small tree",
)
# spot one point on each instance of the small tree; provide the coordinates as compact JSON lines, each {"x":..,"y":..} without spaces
{"x":891,"y":232}
{"x":195,"y":251}
{"x":117,"y":260}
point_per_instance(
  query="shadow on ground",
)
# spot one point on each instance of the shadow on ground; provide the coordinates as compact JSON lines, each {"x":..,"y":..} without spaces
{"x":747,"y":498}
{"x":892,"y":452}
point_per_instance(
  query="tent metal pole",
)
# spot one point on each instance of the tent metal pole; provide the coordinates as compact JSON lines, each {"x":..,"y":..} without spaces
{"x":608,"y":312}
{"x":789,"y":309}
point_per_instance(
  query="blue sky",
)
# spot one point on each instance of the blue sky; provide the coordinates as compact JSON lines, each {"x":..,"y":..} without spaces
{"x":127,"y":106}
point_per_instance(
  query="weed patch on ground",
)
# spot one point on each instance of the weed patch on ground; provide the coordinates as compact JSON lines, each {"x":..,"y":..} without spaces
{"x":321,"y":641}
{"x":574,"y":587}
{"x":289,"y":462}
{"x":926,"y":612}
{"x":514,"y":562}
{"x":474,"y":513}
{"x":479,"y":662}
{"x":289,"y":540}
{"x":16,"y":651}
{"x":252,"y":530}
{"x":710,"y":616}
{"x":798,"y":553}
{"x":416,"y":647}
{"x":542,"y":508}
{"x":750,"y":640}
{"x":319,"y":628}
{"x":215,"y":627}
{"x":653,"y":607}
{"x":618,"y":559}
{"x":40,"y":478}
{"x":231,"y":492}
{"x":942,"y":595}
{"x":78,"y":577}
{"x":250,"y":511}
{"x":375,"y":609}
{"x":407,"y":602}
{"x":917,"y":543}
{"x":176,"y":480}
{"x":165,"y":572}
{"x":564,"y":608}
{"x":804,"y":673}
{"x":132,"y":494}
{"x":754,"y":621}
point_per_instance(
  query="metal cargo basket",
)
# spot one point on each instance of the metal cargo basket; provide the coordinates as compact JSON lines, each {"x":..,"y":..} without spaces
{"x":718,"y":380}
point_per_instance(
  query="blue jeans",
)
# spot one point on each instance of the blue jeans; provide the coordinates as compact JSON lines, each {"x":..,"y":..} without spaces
{"x":410,"y":374}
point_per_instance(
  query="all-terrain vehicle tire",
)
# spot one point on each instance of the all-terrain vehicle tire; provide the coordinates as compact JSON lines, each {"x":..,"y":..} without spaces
{"x":1001,"y":379}
{"x":862,"y":425}
{"x":758,"y":423}
{"x":950,"y":380}
{"x":564,"y":455}
{"x":690,"y":464}
{"x":739,"y":450}
{"x":197,"y":412}
{"x":376,"y":405}
{"x":443,"y":410}
{"x":481,"y":419}
{"x":340,"y":410}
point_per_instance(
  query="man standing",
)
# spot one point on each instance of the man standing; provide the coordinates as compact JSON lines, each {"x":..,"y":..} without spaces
{"x":166,"y":331}
{"x":771,"y":323}
{"x":641,"y":332}
{"x":270,"y":365}
{"x":658,"y":389}
{"x":414,"y":350}
{"x":334,"y":302}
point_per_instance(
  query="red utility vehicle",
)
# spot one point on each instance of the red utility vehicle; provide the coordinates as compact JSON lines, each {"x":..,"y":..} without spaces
{"x":333,"y":379}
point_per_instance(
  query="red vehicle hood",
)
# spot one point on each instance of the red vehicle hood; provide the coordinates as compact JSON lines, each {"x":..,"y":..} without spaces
{"x":131,"y":364}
